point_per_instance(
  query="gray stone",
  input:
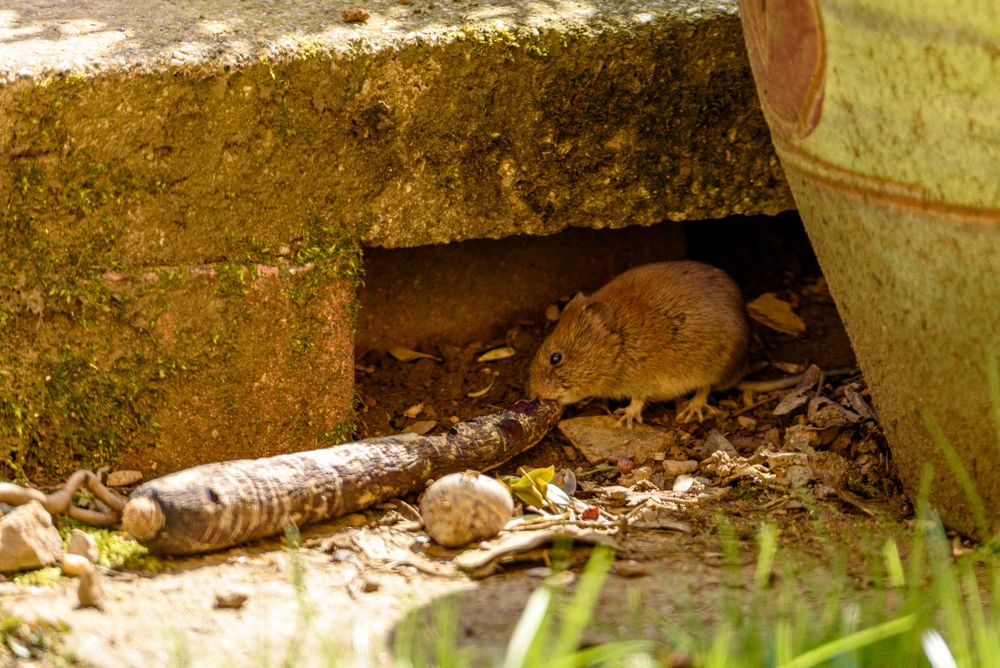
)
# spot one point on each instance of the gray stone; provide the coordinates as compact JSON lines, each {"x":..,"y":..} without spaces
{"x":599,"y":439}
{"x":28,"y":539}
{"x":232,"y":597}
{"x":82,"y":543}
{"x":716,"y":442}
{"x":90,"y":592}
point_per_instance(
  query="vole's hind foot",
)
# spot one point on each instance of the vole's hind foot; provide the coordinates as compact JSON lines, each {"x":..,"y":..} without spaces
{"x":630,"y":414}
{"x":697,"y":408}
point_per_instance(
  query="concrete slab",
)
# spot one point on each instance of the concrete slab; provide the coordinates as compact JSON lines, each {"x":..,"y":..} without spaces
{"x":225,"y":124}
{"x":137,"y":139}
{"x":165,"y":369}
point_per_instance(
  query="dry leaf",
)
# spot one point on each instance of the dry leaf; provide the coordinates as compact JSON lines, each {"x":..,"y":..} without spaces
{"x":819,"y":288}
{"x":776,"y":314}
{"x":824,"y":413}
{"x":789,"y":367}
{"x":497,"y":354}
{"x":479,"y":393}
{"x":859,"y":405}
{"x":797,"y":397}
{"x":407,"y":355}
{"x":421,"y":428}
{"x":413,"y":411}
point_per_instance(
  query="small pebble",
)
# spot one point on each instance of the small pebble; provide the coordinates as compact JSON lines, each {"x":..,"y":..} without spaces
{"x":683,"y":483}
{"x":231,"y":598}
{"x":674,"y":468}
{"x":551,"y":312}
{"x":90,"y":593}
{"x":83,"y":544}
{"x":625,"y":465}
{"x":538,"y":572}
{"x":716,"y":441}
{"x":747,"y":422}
{"x":74,"y":564}
{"x":354,"y":14}
{"x":642,"y":473}
{"x":629,"y":568}
{"x":342,"y":555}
{"x":123,"y":478}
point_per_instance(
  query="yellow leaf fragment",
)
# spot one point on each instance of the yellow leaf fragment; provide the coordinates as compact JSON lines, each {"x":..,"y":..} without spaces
{"x":776,"y":314}
{"x":479,"y":393}
{"x":407,"y":355}
{"x":497,"y":354}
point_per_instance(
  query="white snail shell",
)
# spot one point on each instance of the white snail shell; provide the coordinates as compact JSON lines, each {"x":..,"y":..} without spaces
{"x":460,"y":508}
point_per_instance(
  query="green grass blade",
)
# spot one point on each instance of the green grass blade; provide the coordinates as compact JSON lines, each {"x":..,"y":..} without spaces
{"x":607,"y":654}
{"x":993,"y":387}
{"x":446,"y":633}
{"x":720,"y":652}
{"x":581,"y":608}
{"x":532,"y":625}
{"x":893,"y":564}
{"x":767,"y":542}
{"x":984,"y":643}
{"x":947,"y":595}
{"x":958,"y":470}
{"x":853,"y":642}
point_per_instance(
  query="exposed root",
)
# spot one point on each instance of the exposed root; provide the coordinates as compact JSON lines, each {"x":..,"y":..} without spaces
{"x":61,"y":501}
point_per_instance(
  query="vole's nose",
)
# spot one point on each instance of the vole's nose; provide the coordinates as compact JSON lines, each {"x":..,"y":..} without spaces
{"x":539,"y":389}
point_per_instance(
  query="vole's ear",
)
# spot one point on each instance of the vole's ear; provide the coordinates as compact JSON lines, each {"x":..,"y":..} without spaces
{"x":574,"y":304}
{"x":600,"y":315}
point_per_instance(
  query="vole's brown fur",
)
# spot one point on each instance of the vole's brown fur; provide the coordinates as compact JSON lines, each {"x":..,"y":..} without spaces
{"x":654,"y":333}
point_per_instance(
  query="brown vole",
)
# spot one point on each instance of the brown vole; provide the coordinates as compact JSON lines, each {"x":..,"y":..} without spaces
{"x":654,"y":333}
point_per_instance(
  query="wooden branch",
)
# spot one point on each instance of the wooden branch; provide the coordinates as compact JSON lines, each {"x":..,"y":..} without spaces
{"x":214,"y":506}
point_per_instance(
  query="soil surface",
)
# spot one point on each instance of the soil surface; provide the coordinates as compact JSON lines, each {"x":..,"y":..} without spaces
{"x":820,"y":471}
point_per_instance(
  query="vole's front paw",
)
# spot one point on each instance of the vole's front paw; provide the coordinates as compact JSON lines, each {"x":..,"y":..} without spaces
{"x":630,"y":414}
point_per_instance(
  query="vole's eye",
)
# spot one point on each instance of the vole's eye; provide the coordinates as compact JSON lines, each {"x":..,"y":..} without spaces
{"x":555,"y":359}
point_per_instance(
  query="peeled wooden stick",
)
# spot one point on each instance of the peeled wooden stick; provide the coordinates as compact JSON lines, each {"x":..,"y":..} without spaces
{"x":213,"y":506}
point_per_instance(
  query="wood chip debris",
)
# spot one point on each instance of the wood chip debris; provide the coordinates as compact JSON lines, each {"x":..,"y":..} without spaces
{"x":484,"y":561}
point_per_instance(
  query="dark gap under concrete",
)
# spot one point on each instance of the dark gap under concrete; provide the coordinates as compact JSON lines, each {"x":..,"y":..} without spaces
{"x":468,"y":291}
